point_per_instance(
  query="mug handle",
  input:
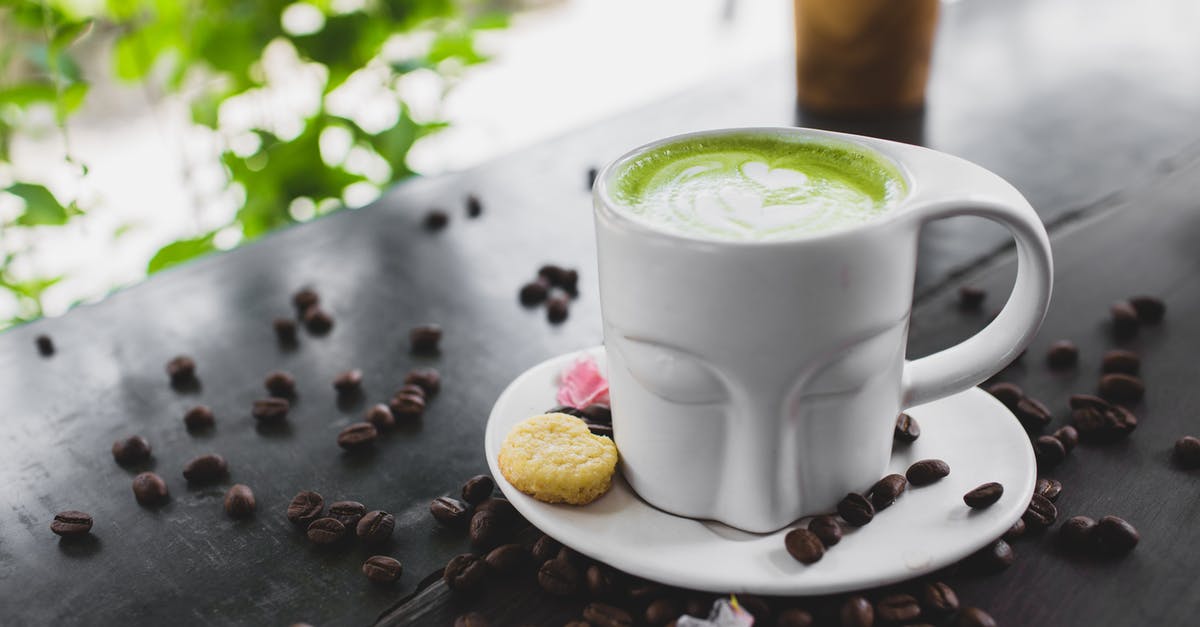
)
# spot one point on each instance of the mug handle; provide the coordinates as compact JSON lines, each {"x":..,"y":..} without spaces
{"x":972,"y":361}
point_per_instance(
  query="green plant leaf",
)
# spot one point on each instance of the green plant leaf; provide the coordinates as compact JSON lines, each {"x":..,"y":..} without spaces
{"x":67,"y":34}
{"x":180,"y":251}
{"x":72,"y":96}
{"x":133,"y":56}
{"x":490,"y":21}
{"x":25,"y":94}
{"x":32,"y":288}
{"x":41,"y":207}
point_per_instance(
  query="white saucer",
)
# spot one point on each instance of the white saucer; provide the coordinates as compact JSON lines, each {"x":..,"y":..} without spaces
{"x":926,"y":529}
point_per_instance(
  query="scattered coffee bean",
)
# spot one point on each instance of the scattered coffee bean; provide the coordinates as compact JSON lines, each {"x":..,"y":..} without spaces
{"x":534,"y":292}
{"x":477,"y":488}
{"x":380,"y":416}
{"x":1068,"y":435}
{"x":474,"y":206}
{"x":592,"y":173}
{"x":450,"y":512}
{"x":45,"y":345}
{"x":407,"y":406}
{"x":598,"y":413}
{"x":1049,"y":451}
{"x":239,"y":501}
{"x":347,"y":512}
{"x":1063,"y":354}
{"x":974,"y":617}
{"x":553,"y":274}
{"x":507,"y":558}
{"x":907,"y":430}
{"x":1187,"y":452}
{"x":181,"y":370}
{"x":1040,"y":514}
{"x":285,"y":330}
{"x":199,"y":418}
{"x":1124,"y":320}
{"x":436,"y":220}
{"x":486,"y":530}
{"x":570,"y":283}
{"x":1150,"y":310}
{"x":357,"y":436}
{"x":465,"y":573}
{"x":1097,"y":420}
{"x":546,"y":548}
{"x":71,"y":523}
{"x":856,"y":509}
{"x":827,"y":528}
{"x":970,"y":298}
{"x":500,"y":507}
{"x":382,"y":569}
{"x":792,"y":617}
{"x":280,"y":384}
{"x":600,"y":429}
{"x":601,"y":582}
{"x":857,"y":612}
{"x":305,"y":298}
{"x":1115,"y":536}
{"x":132,"y":450}
{"x":305,"y":508}
{"x":425,"y":338}
{"x":1008,"y":394}
{"x":804,"y":546}
{"x":375,"y":527}
{"x":270,"y":410}
{"x":886,"y":491}
{"x":325,"y":531}
{"x":1122,"y":389}
{"x":604,"y":615}
{"x":927,"y":471}
{"x":205,"y":469}
{"x":348,"y":382}
{"x":558,"y":577}
{"x":938,"y":599}
{"x":474,"y":619}
{"x":427,"y":379}
{"x":659,"y":612}
{"x":317,"y":320}
{"x":412,"y":388}
{"x":984,"y":496}
{"x":557,"y":309}
{"x":1121,"y":362}
{"x":1048,"y":488}
{"x":1015,"y":531}
{"x":149,"y":489}
{"x":1076,"y":534}
{"x":993,"y":558}
{"x":897,"y":608}
{"x":1033,"y":415}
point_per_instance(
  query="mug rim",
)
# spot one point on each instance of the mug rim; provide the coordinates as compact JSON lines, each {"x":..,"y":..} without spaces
{"x":608,"y":208}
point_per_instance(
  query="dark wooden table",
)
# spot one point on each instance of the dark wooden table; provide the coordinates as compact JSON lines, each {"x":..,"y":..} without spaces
{"x":1089,"y":107}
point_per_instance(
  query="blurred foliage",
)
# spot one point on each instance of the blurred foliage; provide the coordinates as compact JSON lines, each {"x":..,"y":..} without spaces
{"x":175,"y":46}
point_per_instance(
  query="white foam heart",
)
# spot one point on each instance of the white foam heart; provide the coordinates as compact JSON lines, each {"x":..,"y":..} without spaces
{"x":773,"y":178}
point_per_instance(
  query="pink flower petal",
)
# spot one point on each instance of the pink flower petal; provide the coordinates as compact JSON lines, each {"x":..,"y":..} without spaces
{"x":582,"y":384}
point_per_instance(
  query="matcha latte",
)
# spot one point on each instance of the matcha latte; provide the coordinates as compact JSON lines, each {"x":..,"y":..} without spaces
{"x":757,"y":185}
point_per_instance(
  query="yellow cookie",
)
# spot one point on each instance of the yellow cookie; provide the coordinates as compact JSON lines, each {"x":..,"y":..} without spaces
{"x":555,"y":459}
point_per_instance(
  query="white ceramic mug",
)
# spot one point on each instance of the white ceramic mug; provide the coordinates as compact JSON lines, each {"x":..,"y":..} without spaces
{"x":757,"y":382}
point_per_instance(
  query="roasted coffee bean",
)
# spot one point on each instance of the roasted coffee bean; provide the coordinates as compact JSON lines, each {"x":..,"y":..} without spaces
{"x":425,"y":338}
{"x":897,"y":608}
{"x":599,"y":429}
{"x":984,"y":496}
{"x":642,"y":591}
{"x":280,"y":384}
{"x":757,"y":606}
{"x":435,"y":220}
{"x":507,"y":558}
{"x":407,"y":406}
{"x":380,"y":416}
{"x":857,"y":612}
{"x":592,"y":173}
{"x":1032,"y":414}
{"x":886,"y":491}
{"x":239,"y":501}
{"x":553,"y":274}
{"x":1068,"y":435}
{"x":1097,"y":420}
{"x":1007,"y":393}
{"x":477,"y":488}
{"x":1115,"y":536}
{"x":827,"y":528}
{"x":558,"y":577}
{"x":601,"y":582}
{"x":347,"y":512}
{"x":199,"y":418}
{"x":181,"y":370}
{"x":570,"y":282}
{"x":1048,"y":488}
{"x":465,"y":573}
{"x":1124,"y":320}
{"x":305,"y":508}
{"x":149,"y":489}
{"x":599,"y":413}
{"x":907,"y":430}
{"x":1063,"y":354}
{"x":974,"y":617}
{"x":927,"y":471}
{"x":132,"y":450}
{"x":375,"y":527}
{"x":71,"y":523}
{"x":856,"y":509}
{"x":604,"y":615}
{"x":205,"y":469}
{"x":1015,"y":531}
{"x":1049,"y":451}
{"x":534,"y":292}
{"x":285,"y":330}
{"x":1040,"y":514}
{"x":1121,"y":362}
{"x":450,"y":512}
{"x":938,"y":600}
{"x":427,"y":379}
{"x":501,"y":507}
{"x":473,"y":619}
{"x":793,"y":617}
{"x":270,"y":410}
{"x":486,"y":530}
{"x":357,"y":436}
{"x":1076,"y":534}
{"x":325,"y":530}
{"x":411,"y":388}
{"x":45,"y":345}
{"x":317,"y":320}
{"x":348,"y":382}
{"x":546,"y":548}
{"x":305,"y":298}
{"x":474,"y":206}
{"x":1187,"y":452}
{"x":660,"y":612}
{"x":1150,"y":310}
{"x":382,"y":569}
{"x":570,"y":411}
{"x":557,"y":309}
{"x":804,"y":546}
{"x":993,"y":558}
{"x":970,"y":298}
{"x":1123,"y":389}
